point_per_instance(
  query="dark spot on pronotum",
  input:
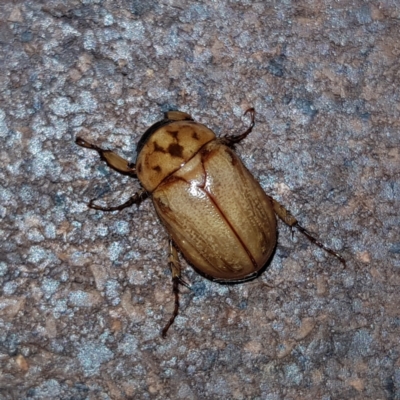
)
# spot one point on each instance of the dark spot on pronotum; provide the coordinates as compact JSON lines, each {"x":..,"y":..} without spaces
{"x":159,"y":148}
{"x":175,"y":149}
{"x":195,"y":135}
{"x":139,"y":168}
{"x":157,"y":168}
{"x":174,"y":134}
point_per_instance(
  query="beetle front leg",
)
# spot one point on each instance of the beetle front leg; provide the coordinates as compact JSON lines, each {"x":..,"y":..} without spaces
{"x":175,"y":266}
{"x":120,"y":165}
{"x":291,"y":221}
{"x":230,"y":140}
{"x":112,"y":159}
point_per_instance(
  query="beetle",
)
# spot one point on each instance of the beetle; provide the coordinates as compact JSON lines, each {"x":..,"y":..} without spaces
{"x":216,"y":213}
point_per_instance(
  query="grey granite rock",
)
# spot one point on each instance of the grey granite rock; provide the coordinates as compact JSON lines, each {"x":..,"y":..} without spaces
{"x":84,"y":294}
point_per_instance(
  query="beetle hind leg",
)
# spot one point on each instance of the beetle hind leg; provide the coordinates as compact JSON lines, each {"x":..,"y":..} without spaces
{"x":320,"y":244}
{"x":175,"y":267}
{"x":291,"y":221}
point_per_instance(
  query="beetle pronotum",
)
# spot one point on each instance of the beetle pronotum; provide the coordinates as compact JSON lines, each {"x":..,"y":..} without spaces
{"x":214,"y":210}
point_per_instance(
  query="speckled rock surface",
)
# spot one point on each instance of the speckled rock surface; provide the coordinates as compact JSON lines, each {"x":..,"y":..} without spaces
{"x":84,"y":294}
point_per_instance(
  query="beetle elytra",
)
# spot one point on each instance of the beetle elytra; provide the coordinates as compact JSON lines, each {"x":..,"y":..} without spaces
{"x":216,"y":213}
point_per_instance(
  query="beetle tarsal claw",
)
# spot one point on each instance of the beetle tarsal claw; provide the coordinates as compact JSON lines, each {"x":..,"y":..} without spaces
{"x":184,"y":283}
{"x":83,"y":143}
{"x":252,"y":111}
{"x":94,"y":206}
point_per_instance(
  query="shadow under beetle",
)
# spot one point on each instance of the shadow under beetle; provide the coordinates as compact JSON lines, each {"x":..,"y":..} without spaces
{"x":215,"y":212}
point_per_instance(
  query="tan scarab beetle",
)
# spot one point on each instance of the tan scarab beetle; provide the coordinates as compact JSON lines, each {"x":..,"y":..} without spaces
{"x":214,"y":210}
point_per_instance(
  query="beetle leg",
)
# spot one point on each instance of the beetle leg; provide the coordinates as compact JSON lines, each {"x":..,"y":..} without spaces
{"x":112,"y":159}
{"x":137,"y":198}
{"x":175,"y":266}
{"x":291,"y":221}
{"x":230,"y":140}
